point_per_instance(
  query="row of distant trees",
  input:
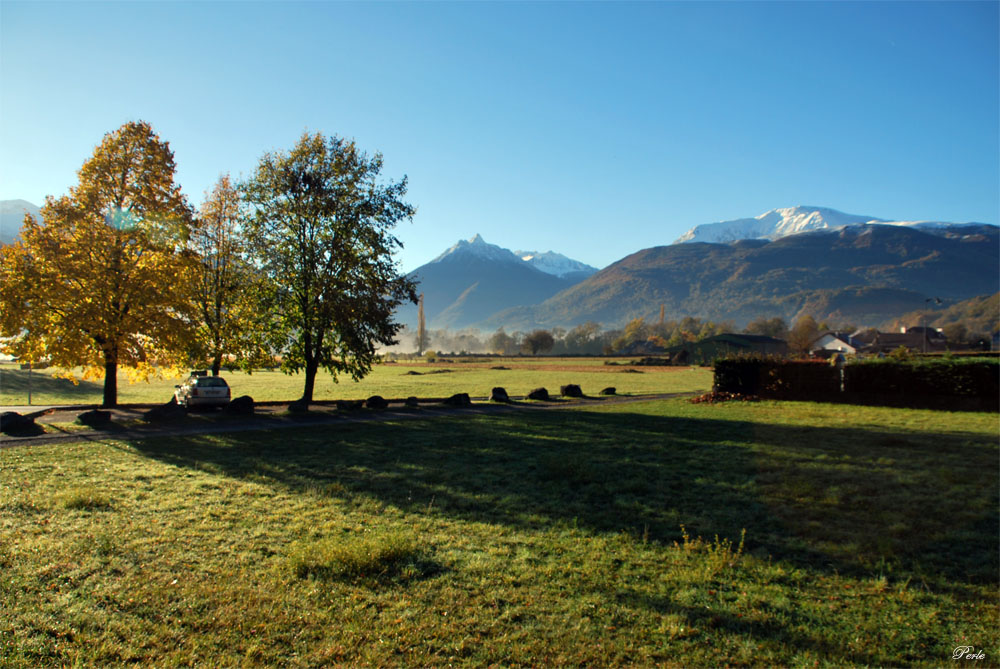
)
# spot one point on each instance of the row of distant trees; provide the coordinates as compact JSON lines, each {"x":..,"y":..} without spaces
{"x":294,"y":264}
{"x":591,"y":338}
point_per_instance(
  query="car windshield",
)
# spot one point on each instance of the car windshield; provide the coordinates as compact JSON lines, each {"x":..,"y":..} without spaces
{"x":211,"y":382}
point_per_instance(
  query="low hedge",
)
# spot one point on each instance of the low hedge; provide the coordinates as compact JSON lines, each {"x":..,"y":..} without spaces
{"x":775,"y":378}
{"x":945,"y":383}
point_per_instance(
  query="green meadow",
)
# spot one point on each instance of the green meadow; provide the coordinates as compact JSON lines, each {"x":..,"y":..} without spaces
{"x":653,"y":533}
{"x":392,"y":380}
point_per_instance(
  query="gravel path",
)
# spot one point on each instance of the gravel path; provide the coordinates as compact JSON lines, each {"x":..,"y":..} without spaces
{"x":127,"y":424}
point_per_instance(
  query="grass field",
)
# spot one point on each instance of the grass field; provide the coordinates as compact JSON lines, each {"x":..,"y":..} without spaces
{"x":653,"y":533}
{"x":393,"y":380}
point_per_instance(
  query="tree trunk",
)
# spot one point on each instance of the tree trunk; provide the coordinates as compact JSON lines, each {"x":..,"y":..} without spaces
{"x":421,"y":329}
{"x":217,"y":363}
{"x":312,"y":366}
{"x":110,"y":380}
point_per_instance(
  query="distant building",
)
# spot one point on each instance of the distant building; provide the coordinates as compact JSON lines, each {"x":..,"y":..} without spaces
{"x":830,"y":343}
{"x":720,"y":346}
{"x":919,"y":339}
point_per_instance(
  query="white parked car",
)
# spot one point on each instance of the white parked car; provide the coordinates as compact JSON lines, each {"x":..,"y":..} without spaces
{"x":203,"y":391}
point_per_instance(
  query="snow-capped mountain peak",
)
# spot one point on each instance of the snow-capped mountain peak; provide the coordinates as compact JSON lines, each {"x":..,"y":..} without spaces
{"x":774,"y":224}
{"x":550,"y":262}
{"x":554,"y":263}
{"x":779,"y":223}
{"x":478,"y":247}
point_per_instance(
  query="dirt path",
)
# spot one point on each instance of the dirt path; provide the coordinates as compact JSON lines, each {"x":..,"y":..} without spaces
{"x":126,"y":422}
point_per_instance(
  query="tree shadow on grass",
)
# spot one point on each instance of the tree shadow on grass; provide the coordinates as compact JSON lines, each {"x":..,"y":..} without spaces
{"x":849,"y":500}
{"x":16,"y":381}
{"x":795,"y":633}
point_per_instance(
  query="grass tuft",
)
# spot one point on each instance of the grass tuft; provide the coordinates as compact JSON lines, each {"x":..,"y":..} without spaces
{"x":372,"y":556}
{"x":85,"y":499}
{"x":716,"y":556}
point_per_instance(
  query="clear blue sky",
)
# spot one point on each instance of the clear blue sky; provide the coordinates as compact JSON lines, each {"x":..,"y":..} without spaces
{"x":588,"y":128}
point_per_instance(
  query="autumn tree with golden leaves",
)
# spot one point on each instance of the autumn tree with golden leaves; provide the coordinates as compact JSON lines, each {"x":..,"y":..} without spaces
{"x":105,"y":281}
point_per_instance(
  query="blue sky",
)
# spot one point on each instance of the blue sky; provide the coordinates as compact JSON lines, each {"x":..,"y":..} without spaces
{"x":593,"y":129}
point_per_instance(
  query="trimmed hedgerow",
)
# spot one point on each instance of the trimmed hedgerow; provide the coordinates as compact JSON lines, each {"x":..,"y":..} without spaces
{"x":956,"y":382}
{"x":946,"y":383}
{"x":775,"y":378}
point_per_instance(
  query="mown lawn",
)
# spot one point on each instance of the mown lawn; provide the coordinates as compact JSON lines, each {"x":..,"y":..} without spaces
{"x":392,"y":380}
{"x":666,"y":533}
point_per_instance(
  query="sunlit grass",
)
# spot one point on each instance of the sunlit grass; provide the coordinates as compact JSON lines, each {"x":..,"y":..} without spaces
{"x":392,"y":380}
{"x":86,"y":498}
{"x":658,"y":533}
{"x":371,"y":556}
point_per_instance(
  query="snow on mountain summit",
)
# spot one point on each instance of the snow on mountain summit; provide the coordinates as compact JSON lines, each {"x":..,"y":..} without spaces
{"x":779,"y":223}
{"x":554,"y":263}
{"x":773,"y":225}
{"x":478,"y":247}
{"x":550,"y":262}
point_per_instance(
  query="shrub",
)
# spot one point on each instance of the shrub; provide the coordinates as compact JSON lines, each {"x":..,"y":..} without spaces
{"x":713,"y":557}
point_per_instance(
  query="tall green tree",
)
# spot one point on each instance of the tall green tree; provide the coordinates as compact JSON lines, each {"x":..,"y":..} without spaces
{"x":226,"y":284}
{"x":538,"y":341}
{"x":584,"y":338}
{"x":802,"y":335}
{"x":637,"y":329}
{"x":105,"y":281}
{"x":320,"y":231}
{"x":502,"y":343}
{"x":772,"y":327}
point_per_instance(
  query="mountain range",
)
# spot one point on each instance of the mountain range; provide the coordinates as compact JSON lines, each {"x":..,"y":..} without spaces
{"x":863,"y":275}
{"x":838,"y":267}
{"x":779,"y":223}
{"x":473,"y":280}
{"x":787,"y":262}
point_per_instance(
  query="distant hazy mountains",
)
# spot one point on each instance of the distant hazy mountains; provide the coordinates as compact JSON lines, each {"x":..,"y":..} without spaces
{"x":473,"y":280}
{"x":12,"y":217}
